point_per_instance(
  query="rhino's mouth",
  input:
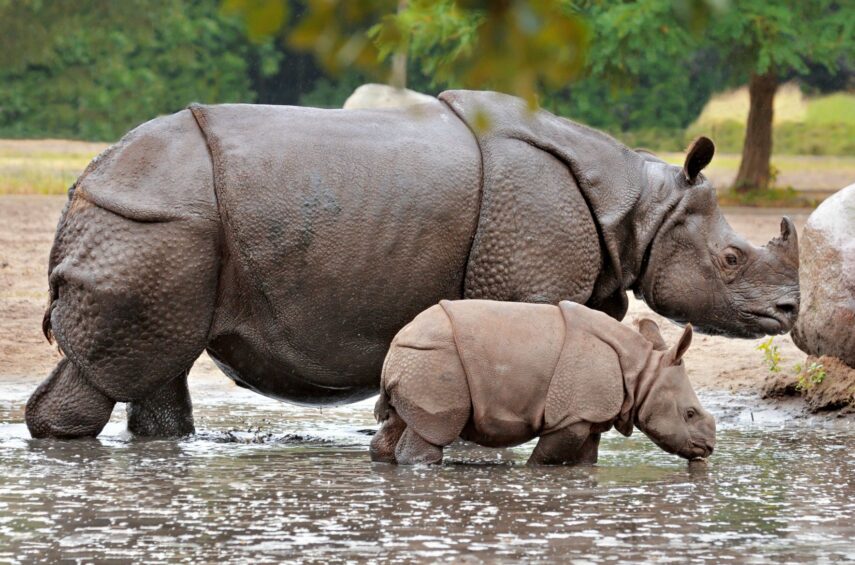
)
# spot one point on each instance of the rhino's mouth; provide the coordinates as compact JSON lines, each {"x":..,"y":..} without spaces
{"x":749,"y":324}
{"x":770,"y":323}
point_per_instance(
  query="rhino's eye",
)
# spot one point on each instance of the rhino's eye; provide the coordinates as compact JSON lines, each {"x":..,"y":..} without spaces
{"x":690,"y":413}
{"x":731,"y":259}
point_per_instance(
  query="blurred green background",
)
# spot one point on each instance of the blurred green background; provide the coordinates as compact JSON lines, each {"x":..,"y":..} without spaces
{"x":654,"y":73}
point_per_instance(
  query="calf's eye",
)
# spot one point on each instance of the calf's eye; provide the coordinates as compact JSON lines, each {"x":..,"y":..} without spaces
{"x":690,"y":413}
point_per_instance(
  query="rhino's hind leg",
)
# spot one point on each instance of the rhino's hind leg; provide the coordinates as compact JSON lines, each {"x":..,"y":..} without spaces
{"x":167,"y":412}
{"x":132,"y":303}
{"x":413,"y":449}
{"x":383,"y":443}
{"x":65,"y":405}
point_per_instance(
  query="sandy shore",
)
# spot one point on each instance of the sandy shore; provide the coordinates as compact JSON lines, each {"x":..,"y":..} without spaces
{"x":27,"y":225}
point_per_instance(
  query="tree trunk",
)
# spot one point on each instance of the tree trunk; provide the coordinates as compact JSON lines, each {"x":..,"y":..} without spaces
{"x":754,"y":170}
{"x":399,"y":59}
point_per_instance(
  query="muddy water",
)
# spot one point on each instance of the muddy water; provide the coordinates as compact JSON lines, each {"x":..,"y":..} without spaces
{"x":268,"y":482}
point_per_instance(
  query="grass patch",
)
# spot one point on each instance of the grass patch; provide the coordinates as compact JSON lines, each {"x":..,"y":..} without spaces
{"x":803,"y":126}
{"x":43,"y":166}
{"x":834,"y":109}
{"x":771,"y":198}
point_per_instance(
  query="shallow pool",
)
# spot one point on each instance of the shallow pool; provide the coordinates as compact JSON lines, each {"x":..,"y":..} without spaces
{"x":267,"y":482}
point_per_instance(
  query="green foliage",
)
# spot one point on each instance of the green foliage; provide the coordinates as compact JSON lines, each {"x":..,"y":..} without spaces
{"x":771,"y":355}
{"x":96,"y":81}
{"x":327,"y":93}
{"x":758,"y":36}
{"x":513,"y":46}
{"x":93,"y":69}
{"x":645,"y":70}
{"x":472,"y":43}
{"x":810,"y":376}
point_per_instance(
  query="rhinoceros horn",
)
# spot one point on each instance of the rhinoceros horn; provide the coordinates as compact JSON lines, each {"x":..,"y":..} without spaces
{"x":786,"y":246}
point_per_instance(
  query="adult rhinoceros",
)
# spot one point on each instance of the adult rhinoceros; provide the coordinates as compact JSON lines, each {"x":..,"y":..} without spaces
{"x":293,"y":243}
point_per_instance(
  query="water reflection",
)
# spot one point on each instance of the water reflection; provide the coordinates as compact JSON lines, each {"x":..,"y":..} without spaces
{"x":265,"y":481}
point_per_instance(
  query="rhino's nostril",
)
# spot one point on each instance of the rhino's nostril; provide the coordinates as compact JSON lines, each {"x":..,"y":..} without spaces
{"x":788,"y":308}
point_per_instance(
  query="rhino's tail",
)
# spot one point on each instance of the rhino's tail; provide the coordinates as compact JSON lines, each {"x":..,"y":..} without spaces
{"x":53,"y":291}
{"x":382,"y":407}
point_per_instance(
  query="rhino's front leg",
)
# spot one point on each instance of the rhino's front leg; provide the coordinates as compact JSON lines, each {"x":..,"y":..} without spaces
{"x":567,"y":446}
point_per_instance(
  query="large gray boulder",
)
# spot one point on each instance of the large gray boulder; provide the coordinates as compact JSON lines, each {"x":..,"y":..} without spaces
{"x":826,"y":323}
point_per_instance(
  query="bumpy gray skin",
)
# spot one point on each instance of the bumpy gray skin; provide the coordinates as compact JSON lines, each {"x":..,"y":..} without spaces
{"x":293,"y":243}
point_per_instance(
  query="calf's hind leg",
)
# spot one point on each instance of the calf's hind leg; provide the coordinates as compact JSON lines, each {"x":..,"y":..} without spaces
{"x":65,"y":405}
{"x":413,"y":449}
{"x":167,"y":412}
{"x":383,"y":443}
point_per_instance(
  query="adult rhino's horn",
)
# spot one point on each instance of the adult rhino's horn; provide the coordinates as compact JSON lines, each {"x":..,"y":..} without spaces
{"x":787,"y":244}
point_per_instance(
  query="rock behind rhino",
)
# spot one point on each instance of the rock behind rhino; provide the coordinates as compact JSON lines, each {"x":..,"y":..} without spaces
{"x":291,"y":244}
{"x":502,"y":373}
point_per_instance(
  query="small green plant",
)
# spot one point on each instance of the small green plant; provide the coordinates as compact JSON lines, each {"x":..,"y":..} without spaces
{"x":810,"y":376}
{"x":771,"y":355}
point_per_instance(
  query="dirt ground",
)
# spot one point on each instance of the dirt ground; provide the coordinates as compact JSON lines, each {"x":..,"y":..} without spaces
{"x":27,"y":225}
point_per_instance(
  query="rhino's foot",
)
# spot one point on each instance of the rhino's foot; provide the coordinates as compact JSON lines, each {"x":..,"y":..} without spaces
{"x":65,"y":405}
{"x":386,"y":439}
{"x":167,"y":412}
{"x":413,"y":449}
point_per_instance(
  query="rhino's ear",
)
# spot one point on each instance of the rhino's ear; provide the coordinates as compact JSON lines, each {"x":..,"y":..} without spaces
{"x":650,"y":331}
{"x":676,"y":353}
{"x":699,"y":156}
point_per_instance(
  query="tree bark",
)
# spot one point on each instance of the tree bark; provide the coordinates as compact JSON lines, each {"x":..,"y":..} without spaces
{"x":754,"y":169}
{"x":399,"y":59}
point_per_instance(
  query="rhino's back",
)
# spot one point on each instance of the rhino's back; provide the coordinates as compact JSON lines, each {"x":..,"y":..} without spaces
{"x":340,"y":226}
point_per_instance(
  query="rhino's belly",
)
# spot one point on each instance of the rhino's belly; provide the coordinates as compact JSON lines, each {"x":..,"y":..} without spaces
{"x":276,"y":374}
{"x":339,"y":228}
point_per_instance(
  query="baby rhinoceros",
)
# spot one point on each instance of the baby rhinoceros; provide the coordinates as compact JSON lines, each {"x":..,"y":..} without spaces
{"x":502,"y":373}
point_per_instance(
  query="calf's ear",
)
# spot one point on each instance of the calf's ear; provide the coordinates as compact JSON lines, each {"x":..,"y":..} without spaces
{"x":650,"y":331}
{"x":676,"y":353}
{"x":699,"y":156}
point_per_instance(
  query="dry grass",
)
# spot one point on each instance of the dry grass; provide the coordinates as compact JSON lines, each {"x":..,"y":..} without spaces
{"x":45,"y":166}
{"x":806,"y":173}
{"x":50,"y":166}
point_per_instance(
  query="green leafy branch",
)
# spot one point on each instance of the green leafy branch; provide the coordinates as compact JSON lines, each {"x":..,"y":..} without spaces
{"x":771,"y":355}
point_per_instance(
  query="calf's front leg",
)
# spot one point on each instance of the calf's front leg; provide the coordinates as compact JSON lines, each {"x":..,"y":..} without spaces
{"x":573,"y":445}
